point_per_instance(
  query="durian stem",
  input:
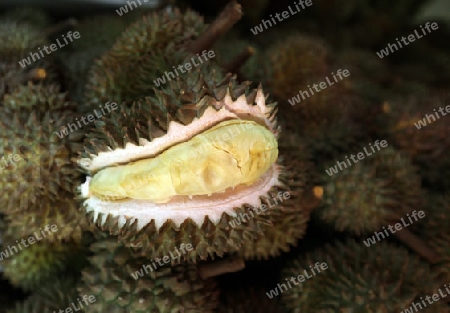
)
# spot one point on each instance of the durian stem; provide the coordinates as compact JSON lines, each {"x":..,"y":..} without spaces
{"x":226,"y":19}
{"x":59,"y":27}
{"x":418,"y":245}
{"x":216,"y":268}
{"x":239,"y":60}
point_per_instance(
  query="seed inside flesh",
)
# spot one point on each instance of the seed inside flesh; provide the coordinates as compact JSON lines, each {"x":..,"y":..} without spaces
{"x":232,"y":153}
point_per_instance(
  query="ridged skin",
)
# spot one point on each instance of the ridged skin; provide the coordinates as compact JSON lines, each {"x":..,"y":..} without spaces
{"x":383,"y":278}
{"x":370,"y":194}
{"x":166,"y":289}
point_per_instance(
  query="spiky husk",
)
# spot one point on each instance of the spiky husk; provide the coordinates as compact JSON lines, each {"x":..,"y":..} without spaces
{"x":37,"y":263}
{"x":375,"y":192}
{"x":19,"y":39}
{"x":166,"y":289}
{"x":150,"y":119}
{"x":290,"y":64}
{"x":62,"y":211}
{"x":41,"y":98}
{"x":52,"y":296}
{"x":331,"y":121}
{"x":44,"y":168}
{"x":380,"y":279}
{"x":143,"y":52}
{"x":289,"y":218}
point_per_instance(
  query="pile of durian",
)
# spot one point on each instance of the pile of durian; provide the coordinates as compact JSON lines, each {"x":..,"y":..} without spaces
{"x":212,"y":185}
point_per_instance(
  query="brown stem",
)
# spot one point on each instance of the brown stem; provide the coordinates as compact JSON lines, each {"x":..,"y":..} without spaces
{"x":418,"y":245}
{"x":216,"y":268}
{"x":226,"y":19}
{"x":239,"y":60}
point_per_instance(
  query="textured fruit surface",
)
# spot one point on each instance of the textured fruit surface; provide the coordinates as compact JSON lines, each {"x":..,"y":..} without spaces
{"x":382,"y":278}
{"x":165,"y":289}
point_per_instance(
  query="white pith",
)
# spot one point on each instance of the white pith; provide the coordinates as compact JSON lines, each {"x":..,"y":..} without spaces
{"x":181,"y":208}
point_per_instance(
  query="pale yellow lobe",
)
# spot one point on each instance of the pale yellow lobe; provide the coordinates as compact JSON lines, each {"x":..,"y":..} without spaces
{"x":232,"y":153}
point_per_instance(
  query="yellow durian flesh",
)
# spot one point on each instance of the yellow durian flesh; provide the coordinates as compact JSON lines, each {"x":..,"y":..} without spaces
{"x":231,"y":153}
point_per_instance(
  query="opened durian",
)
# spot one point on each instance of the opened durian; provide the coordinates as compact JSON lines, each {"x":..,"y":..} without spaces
{"x":179,"y":168}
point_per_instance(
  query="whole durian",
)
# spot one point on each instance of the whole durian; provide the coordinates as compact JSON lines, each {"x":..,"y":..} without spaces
{"x":351,"y":277}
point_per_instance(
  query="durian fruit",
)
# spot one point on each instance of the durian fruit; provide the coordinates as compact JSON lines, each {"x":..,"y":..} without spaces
{"x":18,"y":39}
{"x":111,"y":280}
{"x":290,"y":222}
{"x":370,"y":194}
{"x":62,"y":210}
{"x":290,"y":64}
{"x":52,"y":296}
{"x":349,"y":277}
{"x":41,"y":98}
{"x":37,"y":161}
{"x":31,"y":260}
{"x":168,"y":130}
{"x":421,"y":129}
{"x":148,"y":48}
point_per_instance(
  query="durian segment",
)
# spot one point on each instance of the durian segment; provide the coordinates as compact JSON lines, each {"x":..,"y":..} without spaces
{"x":110,"y":280}
{"x":204,"y":165}
{"x":289,"y":209}
{"x":381,"y":278}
